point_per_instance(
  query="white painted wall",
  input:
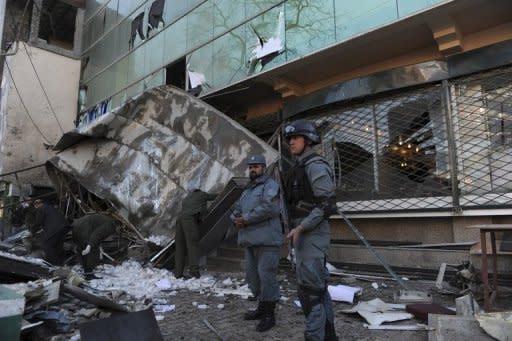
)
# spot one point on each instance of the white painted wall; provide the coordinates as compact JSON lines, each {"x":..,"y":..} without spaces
{"x":21,"y":145}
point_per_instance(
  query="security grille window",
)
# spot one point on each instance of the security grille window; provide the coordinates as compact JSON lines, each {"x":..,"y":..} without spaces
{"x":483,"y":106}
{"x":405,"y":151}
{"x":389,"y":149}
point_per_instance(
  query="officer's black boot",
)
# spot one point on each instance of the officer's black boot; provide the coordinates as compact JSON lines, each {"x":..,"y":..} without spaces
{"x":330,"y":332}
{"x":255,"y":314}
{"x":269,"y":319}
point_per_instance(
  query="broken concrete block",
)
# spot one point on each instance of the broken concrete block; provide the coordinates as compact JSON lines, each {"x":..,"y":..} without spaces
{"x":413,"y":296}
{"x":455,"y":328}
{"x":467,"y":305}
{"x":498,"y":325}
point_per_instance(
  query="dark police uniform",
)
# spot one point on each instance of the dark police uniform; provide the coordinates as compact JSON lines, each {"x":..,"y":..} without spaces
{"x":309,"y":194}
{"x":262,"y":237}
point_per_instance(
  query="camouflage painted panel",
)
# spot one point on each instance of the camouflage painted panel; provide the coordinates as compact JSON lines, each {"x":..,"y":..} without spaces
{"x":148,"y":153}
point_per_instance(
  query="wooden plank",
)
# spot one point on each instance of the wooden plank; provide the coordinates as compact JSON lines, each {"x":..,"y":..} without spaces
{"x":96,"y":300}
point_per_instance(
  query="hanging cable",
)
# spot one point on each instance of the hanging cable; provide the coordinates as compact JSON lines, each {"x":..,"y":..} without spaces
{"x":42,"y":88}
{"x":24,"y":106}
{"x":16,"y":30}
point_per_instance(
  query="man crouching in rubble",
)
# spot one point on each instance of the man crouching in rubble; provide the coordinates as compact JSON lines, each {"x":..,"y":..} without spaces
{"x":309,"y":187}
{"x":54,"y":228}
{"x":88,"y":232}
{"x":256,"y":215}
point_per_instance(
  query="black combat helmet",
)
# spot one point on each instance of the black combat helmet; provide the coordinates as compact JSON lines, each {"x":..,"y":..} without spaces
{"x":302,"y":128}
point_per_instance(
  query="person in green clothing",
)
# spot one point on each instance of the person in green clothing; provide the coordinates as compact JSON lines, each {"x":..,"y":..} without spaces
{"x":88,"y":232}
{"x":193,"y":211}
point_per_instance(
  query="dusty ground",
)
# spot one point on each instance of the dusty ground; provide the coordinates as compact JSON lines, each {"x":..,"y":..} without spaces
{"x":186,"y":322}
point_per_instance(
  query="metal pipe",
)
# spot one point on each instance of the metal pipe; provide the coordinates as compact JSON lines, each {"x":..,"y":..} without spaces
{"x":372,"y":250}
{"x":452,"y":146}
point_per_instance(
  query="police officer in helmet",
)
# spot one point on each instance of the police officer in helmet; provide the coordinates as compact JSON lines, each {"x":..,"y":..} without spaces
{"x":256,"y":214}
{"x":309,"y":187}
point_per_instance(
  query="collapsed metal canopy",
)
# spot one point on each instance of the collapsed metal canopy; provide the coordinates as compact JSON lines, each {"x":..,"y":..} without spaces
{"x":145,"y":155}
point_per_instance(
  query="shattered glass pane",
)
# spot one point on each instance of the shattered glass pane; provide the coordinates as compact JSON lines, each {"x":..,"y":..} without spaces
{"x":201,"y":63}
{"x":266,"y":41}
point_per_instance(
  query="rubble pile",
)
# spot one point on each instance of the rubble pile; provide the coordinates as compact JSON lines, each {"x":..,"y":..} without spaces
{"x":56,"y":304}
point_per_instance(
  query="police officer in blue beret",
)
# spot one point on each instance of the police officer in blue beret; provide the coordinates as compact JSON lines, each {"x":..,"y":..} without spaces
{"x":309,"y":193}
{"x":256,"y":215}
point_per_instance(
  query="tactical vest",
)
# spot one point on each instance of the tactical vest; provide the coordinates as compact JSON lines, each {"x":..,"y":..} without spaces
{"x":299,"y":195}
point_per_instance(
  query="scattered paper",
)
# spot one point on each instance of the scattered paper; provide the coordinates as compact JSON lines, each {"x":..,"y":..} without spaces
{"x":164,"y":308}
{"x":164,"y":284}
{"x":343,"y":293}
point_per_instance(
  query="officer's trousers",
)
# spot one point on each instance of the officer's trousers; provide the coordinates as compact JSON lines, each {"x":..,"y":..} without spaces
{"x":261,"y":267}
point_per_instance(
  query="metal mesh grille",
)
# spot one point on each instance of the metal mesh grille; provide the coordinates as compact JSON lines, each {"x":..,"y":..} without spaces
{"x":482,"y":112}
{"x":394,"y":153}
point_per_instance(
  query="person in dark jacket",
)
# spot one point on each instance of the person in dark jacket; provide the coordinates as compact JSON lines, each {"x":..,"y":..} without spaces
{"x":256,"y":214}
{"x":309,"y":192}
{"x":54,"y":228}
{"x":193,"y":211}
{"x":88,"y":232}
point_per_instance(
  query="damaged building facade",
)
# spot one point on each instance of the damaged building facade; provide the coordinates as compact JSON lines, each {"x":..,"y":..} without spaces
{"x":412,"y":97}
{"x":40,"y":72}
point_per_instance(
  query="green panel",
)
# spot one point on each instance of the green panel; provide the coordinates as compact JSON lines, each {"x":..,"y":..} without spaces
{"x":123,"y":36}
{"x":154,"y":53}
{"x":111,"y":17}
{"x":355,"y":17}
{"x":229,"y":58}
{"x":128,"y":6}
{"x":118,"y":99}
{"x":267,"y":25}
{"x":91,"y":6}
{"x":121,"y":68}
{"x":200,"y":25}
{"x":136,"y":65}
{"x":155,"y":79}
{"x":175,"y":41}
{"x":253,"y":7}
{"x":174,"y":9}
{"x":406,"y":7}
{"x":98,"y":26}
{"x":227,"y":14}
{"x":309,"y":26}
{"x":135,"y":90}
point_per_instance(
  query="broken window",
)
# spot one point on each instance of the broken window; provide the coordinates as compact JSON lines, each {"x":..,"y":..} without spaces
{"x":267,"y":39}
{"x":137,"y":25}
{"x":57,"y":23}
{"x":175,"y":74}
{"x":155,"y":17}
